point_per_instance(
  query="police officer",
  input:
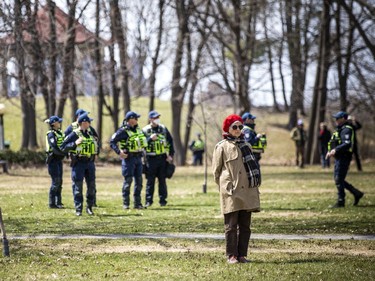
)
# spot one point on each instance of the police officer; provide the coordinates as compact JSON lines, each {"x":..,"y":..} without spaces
{"x":258,"y":141}
{"x":341,"y":147}
{"x":197,"y":147}
{"x":83,"y":148}
{"x":159,"y":150}
{"x":54,"y":139}
{"x":75,"y":124}
{"x":91,"y":131}
{"x":132,"y":145}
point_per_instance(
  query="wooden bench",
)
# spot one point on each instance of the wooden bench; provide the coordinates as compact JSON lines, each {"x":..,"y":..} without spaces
{"x":5,"y":165}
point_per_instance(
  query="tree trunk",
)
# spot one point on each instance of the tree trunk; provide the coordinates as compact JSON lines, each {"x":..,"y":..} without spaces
{"x":270,"y":64}
{"x":98,"y":62}
{"x":51,"y":98}
{"x":177,"y":91}
{"x":68,"y":65}
{"x":320,"y":89}
{"x":155,"y":58}
{"x":23,"y":87}
{"x":293,"y":32}
{"x":116,"y":20}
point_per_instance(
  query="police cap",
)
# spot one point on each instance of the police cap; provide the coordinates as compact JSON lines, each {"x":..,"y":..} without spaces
{"x":54,"y":119}
{"x":131,"y":114}
{"x":84,"y":118}
{"x":153,"y":114}
{"x":247,"y":115}
{"x":340,"y":114}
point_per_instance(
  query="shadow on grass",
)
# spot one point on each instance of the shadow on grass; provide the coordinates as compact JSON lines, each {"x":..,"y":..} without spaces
{"x":119,"y":215}
{"x":297,"y":261}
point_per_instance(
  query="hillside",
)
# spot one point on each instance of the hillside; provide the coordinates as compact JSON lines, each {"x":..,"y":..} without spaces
{"x":280,"y":149}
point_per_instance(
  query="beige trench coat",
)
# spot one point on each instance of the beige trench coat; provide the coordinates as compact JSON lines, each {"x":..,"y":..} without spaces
{"x":230,"y":175}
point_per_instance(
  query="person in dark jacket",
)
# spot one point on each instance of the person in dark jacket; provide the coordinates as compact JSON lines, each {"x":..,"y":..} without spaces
{"x":132,"y":144}
{"x":54,"y":139}
{"x":356,"y":126}
{"x":159,"y":151}
{"x":341,"y":148}
{"x":82,"y":148}
{"x":324,"y":138}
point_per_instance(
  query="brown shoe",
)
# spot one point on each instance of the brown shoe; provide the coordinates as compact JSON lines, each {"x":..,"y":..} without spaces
{"x":232,"y":259}
{"x":243,"y":260}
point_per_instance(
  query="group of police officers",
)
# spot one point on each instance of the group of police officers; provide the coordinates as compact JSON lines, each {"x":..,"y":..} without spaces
{"x":149,"y":150}
{"x":80,"y":142}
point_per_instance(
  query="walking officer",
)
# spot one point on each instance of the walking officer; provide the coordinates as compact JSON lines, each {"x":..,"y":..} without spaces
{"x":54,"y":139}
{"x":341,"y":147}
{"x":258,"y":142}
{"x":160,"y":149}
{"x":132,"y":144}
{"x":83,"y":148}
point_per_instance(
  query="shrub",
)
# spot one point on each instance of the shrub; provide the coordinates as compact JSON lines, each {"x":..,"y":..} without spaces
{"x":23,"y":157}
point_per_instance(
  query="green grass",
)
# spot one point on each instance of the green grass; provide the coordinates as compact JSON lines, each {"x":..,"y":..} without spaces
{"x":294,"y":201}
{"x":134,"y":259}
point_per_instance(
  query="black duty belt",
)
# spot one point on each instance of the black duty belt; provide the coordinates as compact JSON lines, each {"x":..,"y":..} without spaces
{"x":135,"y":154}
{"x":158,"y":156}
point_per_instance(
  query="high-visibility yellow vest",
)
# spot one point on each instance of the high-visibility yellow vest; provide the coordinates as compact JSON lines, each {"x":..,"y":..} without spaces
{"x":336,"y":140}
{"x":59,"y":138}
{"x":158,"y":146}
{"x":198,"y":145}
{"x":88,"y":146}
{"x":260,"y":145}
{"x":136,"y":141}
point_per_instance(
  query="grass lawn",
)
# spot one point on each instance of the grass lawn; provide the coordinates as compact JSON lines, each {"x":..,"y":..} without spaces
{"x":294,"y":201}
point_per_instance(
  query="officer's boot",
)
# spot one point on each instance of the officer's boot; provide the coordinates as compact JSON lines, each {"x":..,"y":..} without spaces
{"x":90,"y":197}
{"x":78,"y":197}
{"x":52,"y":194}
{"x":357,"y":194}
{"x":51,"y":201}
{"x":137,"y":202}
{"x":126,"y":202}
{"x":59,"y":203}
{"x":340,"y":203}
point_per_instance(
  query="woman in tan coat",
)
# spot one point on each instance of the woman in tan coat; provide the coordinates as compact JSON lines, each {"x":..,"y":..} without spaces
{"x":238,"y":176}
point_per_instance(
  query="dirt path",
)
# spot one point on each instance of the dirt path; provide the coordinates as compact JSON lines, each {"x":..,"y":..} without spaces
{"x":199,"y":236}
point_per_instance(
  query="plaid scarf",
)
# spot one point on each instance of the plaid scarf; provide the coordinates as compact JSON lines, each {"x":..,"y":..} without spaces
{"x":251,"y":165}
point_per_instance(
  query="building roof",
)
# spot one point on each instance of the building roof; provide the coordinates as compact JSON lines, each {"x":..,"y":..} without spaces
{"x":83,"y":35}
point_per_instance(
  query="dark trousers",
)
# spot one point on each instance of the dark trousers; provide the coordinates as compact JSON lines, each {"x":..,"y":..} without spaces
{"x":55,"y":170}
{"x":323,"y":152}
{"x":83,"y":170}
{"x":341,"y":170}
{"x":198,"y":158}
{"x":156,"y":169}
{"x":132,"y":167}
{"x":300,"y":154}
{"x":237,"y":233}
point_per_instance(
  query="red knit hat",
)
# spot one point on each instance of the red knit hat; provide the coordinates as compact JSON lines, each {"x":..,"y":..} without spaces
{"x":230,"y":120}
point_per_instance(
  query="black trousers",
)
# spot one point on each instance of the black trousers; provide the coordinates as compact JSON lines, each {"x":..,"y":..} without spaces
{"x":237,"y":233}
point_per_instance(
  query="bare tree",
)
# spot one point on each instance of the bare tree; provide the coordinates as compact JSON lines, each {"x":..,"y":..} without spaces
{"x":98,"y":64}
{"x":320,"y":88}
{"x":155,"y":57}
{"x":235,"y":35}
{"x":68,"y":64}
{"x":268,"y":46}
{"x":298,"y":15}
{"x":118,"y":31}
{"x":52,"y":58}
